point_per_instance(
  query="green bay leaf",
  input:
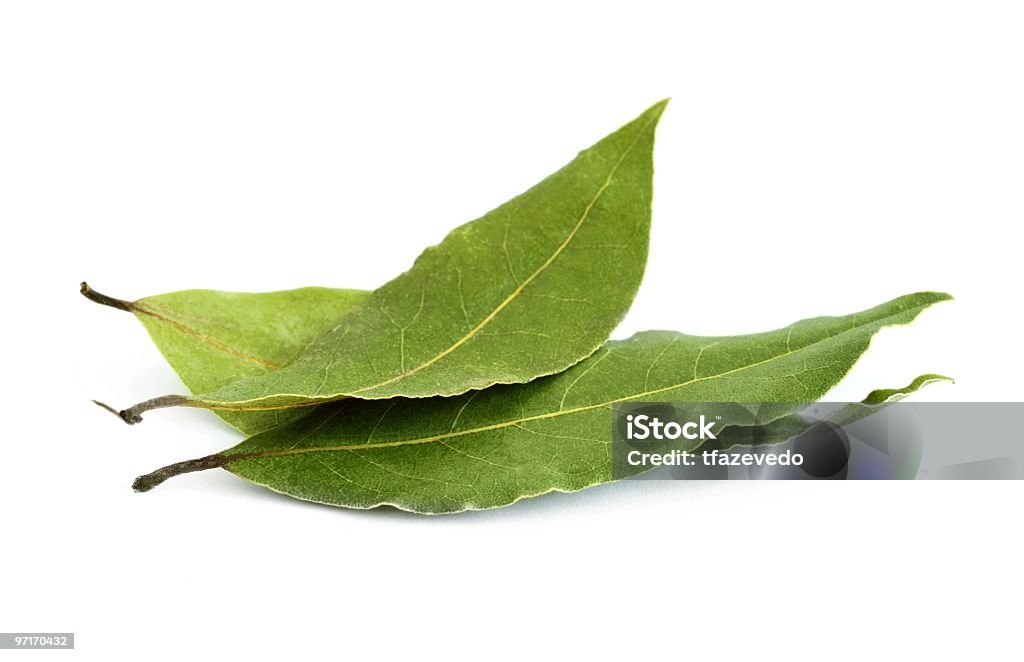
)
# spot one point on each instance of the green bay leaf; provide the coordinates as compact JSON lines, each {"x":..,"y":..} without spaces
{"x":213,"y":338}
{"x":785,"y":428}
{"x":527,"y":290}
{"x":490,"y":448}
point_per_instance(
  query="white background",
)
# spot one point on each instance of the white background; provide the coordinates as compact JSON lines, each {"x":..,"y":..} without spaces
{"x":817,"y":158}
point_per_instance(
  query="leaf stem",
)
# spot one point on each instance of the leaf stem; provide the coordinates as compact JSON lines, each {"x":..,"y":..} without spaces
{"x":103,"y":299}
{"x":132,"y":415}
{"x":149,"y":481}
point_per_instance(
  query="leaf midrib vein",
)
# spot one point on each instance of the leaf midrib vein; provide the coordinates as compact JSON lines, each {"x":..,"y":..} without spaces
{"x":529,"y":279}
{"x":151,"y":311}
{"x":230,"y":405}
{"x":504,"y":424}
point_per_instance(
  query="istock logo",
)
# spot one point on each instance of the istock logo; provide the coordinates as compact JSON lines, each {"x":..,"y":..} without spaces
{"x":642,"y":426}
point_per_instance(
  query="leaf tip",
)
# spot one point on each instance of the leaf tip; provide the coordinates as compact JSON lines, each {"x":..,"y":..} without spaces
{"x":657,"y":109}
{"x":935,"y":297}
{"x":925,"y":380}
{"x":887,"y":395}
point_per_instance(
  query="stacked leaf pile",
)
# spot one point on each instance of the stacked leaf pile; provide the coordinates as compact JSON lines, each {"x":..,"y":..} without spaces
{"x":483,"y":374}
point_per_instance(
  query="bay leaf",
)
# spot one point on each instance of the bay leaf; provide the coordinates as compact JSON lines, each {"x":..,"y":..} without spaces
{"x":527,"y":290}
{"x":490,"y":448}
{"x":212,"y":338}
{"x":783,"y":429}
